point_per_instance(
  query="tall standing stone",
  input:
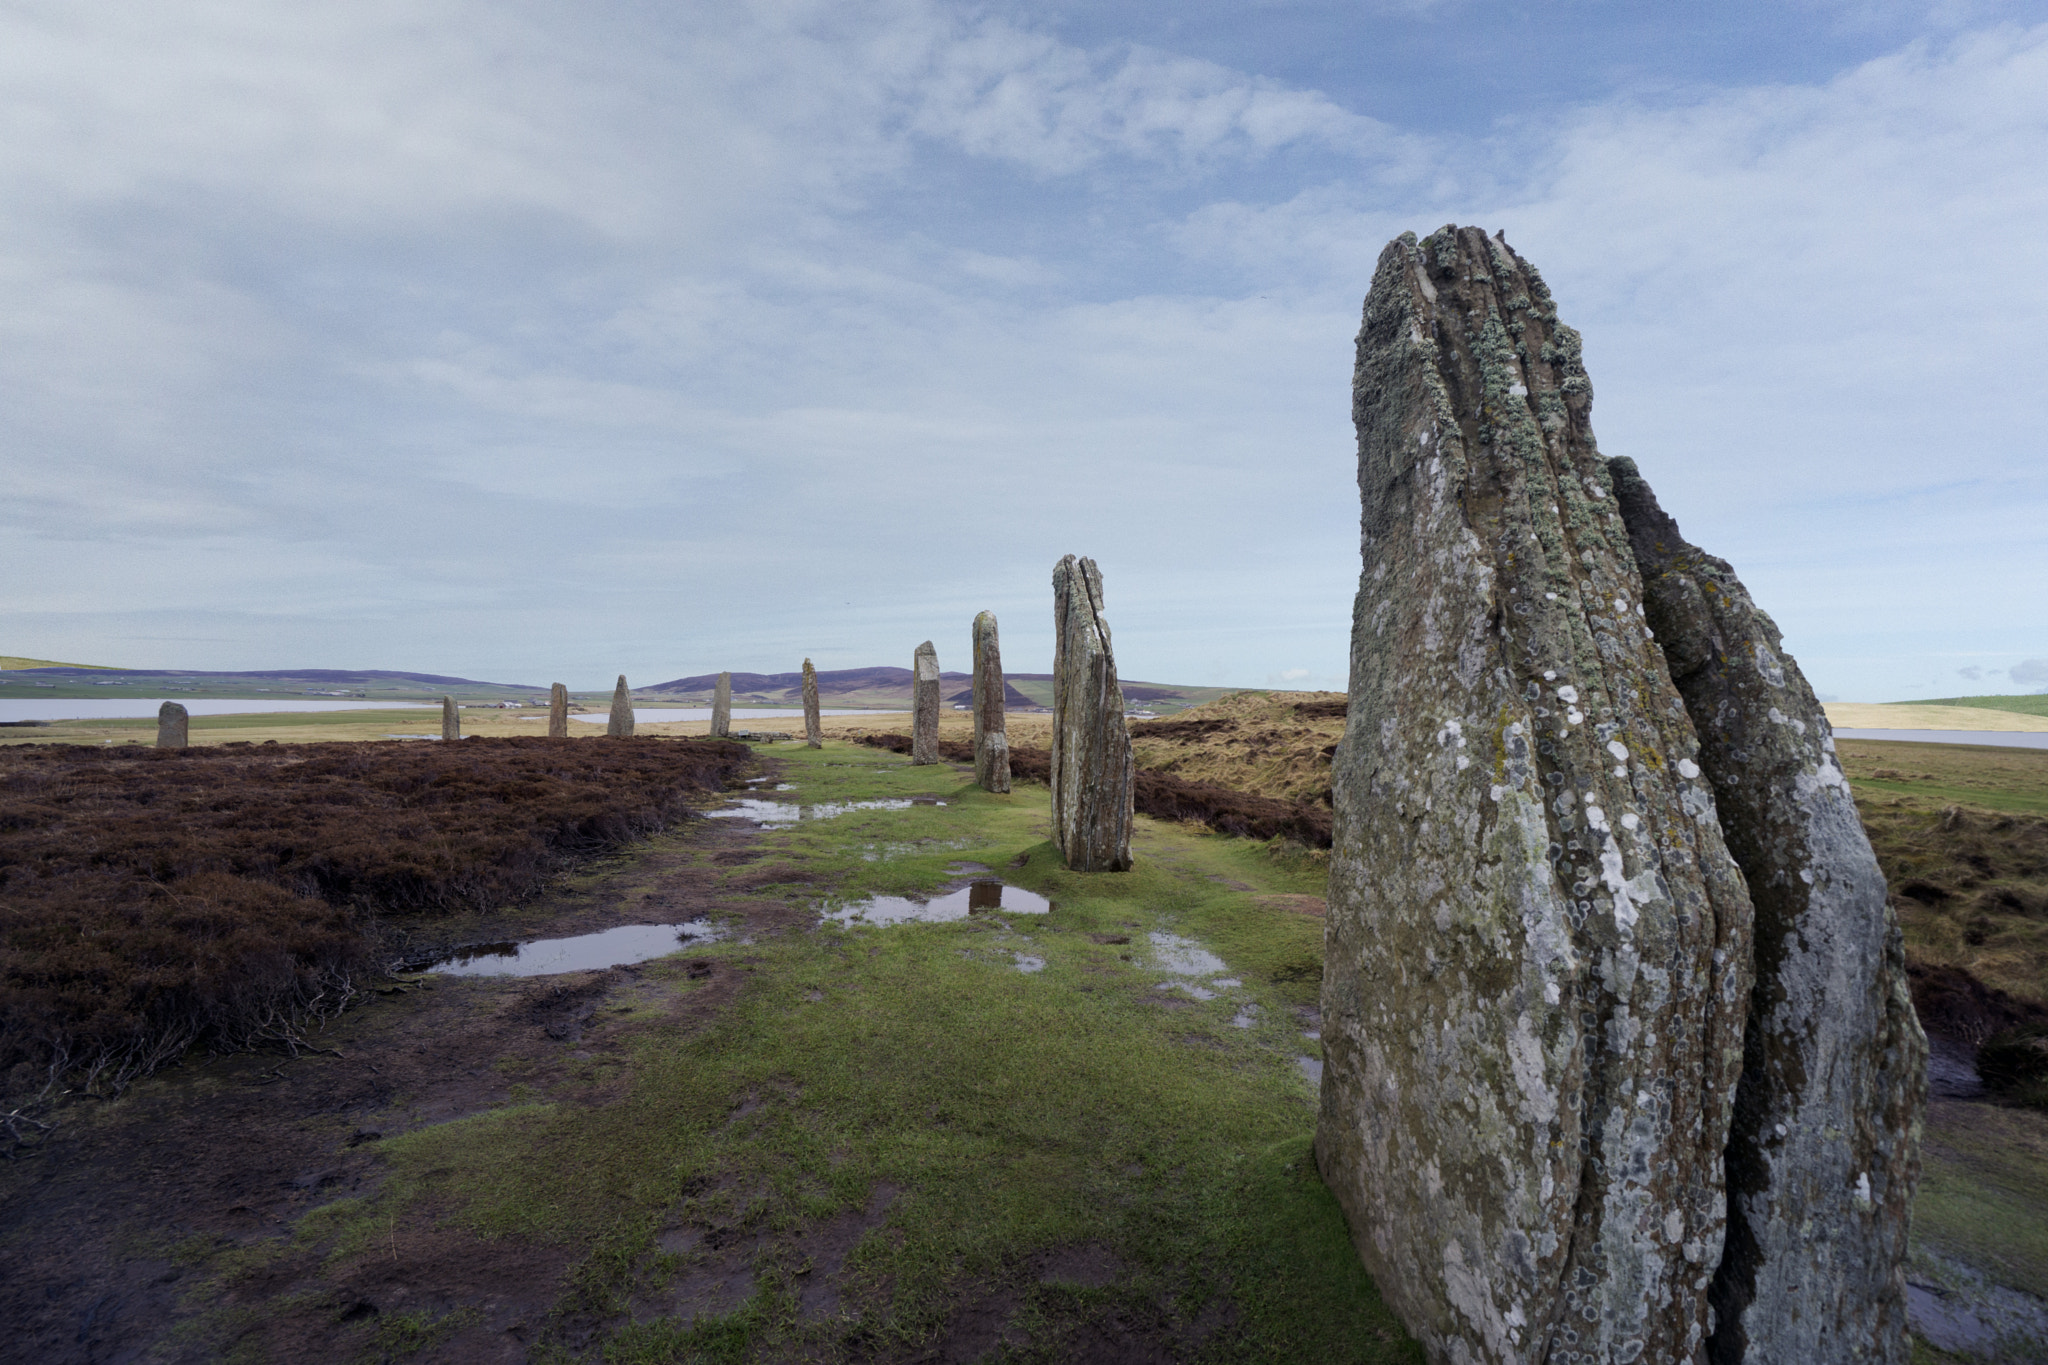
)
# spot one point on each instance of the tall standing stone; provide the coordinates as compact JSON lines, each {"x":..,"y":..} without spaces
{"x":1092,"y":770}
{"x":558,"y":712}
{"x":1823,"y":1156}
{"x":1537,"y":949}
{"x":991,"y":738}
{"x":814,"y":730}
{"x":721,"y":707}
{"x":924,"y":704}
{"x":451,"y":719}
{"x":173,"y":726}
{"x":620,"y":725}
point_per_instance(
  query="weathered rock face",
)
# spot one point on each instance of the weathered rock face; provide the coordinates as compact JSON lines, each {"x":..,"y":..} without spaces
{"x":991,"y":738}
{"x":1823,"y":1156}
{"x":451,"y":719}
{"x":558,"y":712}
{"x":721,"y":707}
{"x":620,"y":725}
{"x":173,"y":726}
{"x":814,"y":731}
{"x":1537,"y":951}
{"x":1092,"y":770}
{"x":924,"y":705}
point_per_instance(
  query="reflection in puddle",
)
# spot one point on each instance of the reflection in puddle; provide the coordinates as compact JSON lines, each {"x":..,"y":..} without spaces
{"x":1190,"y":987}
{"x":1311,"y":1067}
{"x":1185,"y":957}
{"x":584,"y":952}
{"x":1027,"y":963}
{"x":789,"y":812}
{"x":975,"y":898}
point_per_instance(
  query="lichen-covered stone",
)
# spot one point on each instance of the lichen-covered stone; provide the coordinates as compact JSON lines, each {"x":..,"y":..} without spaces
{"x":451,"y":719}
{"x":814,"y":730}
{"x":558,"y":712}
{"x":721,"y":707}
{"x":924,"y":704}
{"x":620,"y":724}
{"x":1823,"y":1155}
{"x":173,"y":726}
{"x":991,"y":737}
{"x":1092,"y":769}
{"x":1536,"y":955}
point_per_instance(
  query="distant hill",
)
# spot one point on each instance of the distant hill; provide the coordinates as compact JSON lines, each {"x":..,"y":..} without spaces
{"x":79,"y":680}
{"x":2032,"y":704}
{"x":11,"y":662}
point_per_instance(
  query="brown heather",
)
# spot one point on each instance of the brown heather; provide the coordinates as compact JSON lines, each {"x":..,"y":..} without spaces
{"x":154,"y":898}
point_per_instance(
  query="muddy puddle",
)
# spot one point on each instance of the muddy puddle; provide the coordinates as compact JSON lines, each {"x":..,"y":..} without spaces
{"x":976,"y":898}
{"x":1199,"y":973}
{"x":581,"y":953}
{"x":778,"y":813}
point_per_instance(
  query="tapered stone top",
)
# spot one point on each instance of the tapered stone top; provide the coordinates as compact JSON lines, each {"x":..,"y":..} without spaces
{"x":1823,"y":1155}
{"x":1537,"y":945}
{"x":721,"y":707}
{"x":620,"y":726}
{"x":924,"y":704}
{"x":451,"y":719}
{"x":1092,"y":769}
{"x":558,"y":712}
{"x":991,"y":739}
{"x":173,"y":726}
{"x":814,"y":730}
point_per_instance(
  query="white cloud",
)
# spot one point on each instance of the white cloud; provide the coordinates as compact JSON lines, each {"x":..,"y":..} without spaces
{"x":2030,"y":672}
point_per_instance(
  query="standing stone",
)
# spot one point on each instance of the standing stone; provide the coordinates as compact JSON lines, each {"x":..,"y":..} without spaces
{"x":814,"y":731}
{"x":173,"y":726}
{"x":1537,"y":948}
{"x":721,"y":707}
{"x":558,"y":712}
{"x":1092,"y":770}
{"x":620,"y":726}
{"x":451,"y":720}
{"x":924,"y":705}
{"x":991,"y":739}
{"x":1824,"y":1153}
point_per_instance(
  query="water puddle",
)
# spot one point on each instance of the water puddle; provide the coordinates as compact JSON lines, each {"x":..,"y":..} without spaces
{"x":975,"y":898}
{"x":1311,"y":1067}
{"x":1027,"y":963}
{"x":582,"y":953}
{"x":1185,"y":957}
{"x":789,"y":812}
{"x":1245,"y":1017}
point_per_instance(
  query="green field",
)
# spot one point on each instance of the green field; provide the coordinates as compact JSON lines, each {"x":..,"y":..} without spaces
{"x":2032,"y":704}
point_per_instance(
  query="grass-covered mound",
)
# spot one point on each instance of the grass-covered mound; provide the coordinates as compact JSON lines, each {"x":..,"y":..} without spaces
{"x":151,"y":898}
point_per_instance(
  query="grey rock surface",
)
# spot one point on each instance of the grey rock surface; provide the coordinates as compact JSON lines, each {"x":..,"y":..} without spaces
{"x":1092,"y":769}
{"x":620,"y":723}
{"x":558,"y":712}
{"x":451,"y":719}
{"x":991,"y":737}
{"x":1537,"y":946}
{"x":924,"y":705}
{"x":814,"y":732}
{"x":173,"y":726}
{"x":721,"y":707}
{"x":1823,"y":1156}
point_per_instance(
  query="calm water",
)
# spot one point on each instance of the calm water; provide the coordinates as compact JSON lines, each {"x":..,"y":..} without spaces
{"x":789,"y":812}
{"x":976,"y":898}
{"x":2004,"y":739}
{"x":582,"y":953}
{"x":140,"y":708}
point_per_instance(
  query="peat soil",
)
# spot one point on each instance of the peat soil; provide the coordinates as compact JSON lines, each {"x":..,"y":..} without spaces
{"x":165,"y":1225}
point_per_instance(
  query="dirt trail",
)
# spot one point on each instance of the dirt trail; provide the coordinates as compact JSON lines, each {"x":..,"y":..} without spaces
{"x":118,"y":1229}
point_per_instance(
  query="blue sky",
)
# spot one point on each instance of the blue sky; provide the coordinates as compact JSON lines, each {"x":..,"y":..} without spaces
{"x":533,"y":341}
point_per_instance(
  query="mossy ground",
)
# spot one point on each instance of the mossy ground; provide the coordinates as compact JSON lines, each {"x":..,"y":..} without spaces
{"x":1060,"y":1159}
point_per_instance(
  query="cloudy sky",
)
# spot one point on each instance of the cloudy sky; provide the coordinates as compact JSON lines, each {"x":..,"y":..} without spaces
{"x":531,"y":340}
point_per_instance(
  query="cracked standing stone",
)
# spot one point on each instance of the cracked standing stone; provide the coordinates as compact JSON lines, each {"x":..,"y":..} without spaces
{"x":721,"y":707}
{"x":924,"y":705}
{"x":991,"y":738}
{"x":814,"y":731}
{"x":173,"y":726}
{"x":1092,"y":769}
{"x":1823,"y":1156}
{"x":558,"y":712}
{"x":451,"y":719}
{"x":620,"y":725}
{"x":1537,"y":950}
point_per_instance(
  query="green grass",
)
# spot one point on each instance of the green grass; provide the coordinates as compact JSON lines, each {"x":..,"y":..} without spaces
{"x":1016,"y":1113}
{"x":2033,"y":704}
{"x":1984,"y":1195}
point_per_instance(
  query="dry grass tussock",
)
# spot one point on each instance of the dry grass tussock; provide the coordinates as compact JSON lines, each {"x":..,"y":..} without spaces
{"x":1270,"y":744}
{"x":151,"y":899}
